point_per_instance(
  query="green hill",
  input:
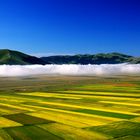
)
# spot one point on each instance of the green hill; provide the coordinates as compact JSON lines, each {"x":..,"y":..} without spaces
{"x":109,"y":58}
{"x":17,"y":58}
{"x":11,"y":57}
{"x":134,"y":60}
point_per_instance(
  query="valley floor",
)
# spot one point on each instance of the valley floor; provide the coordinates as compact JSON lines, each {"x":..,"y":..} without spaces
{"x":70,"y":108}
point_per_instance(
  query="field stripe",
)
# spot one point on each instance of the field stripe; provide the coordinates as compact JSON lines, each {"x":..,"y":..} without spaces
{"x":121,"y":103}
{"x":17,"y":107}
{"x":56,"y":95}
{"x":102,"y":93}
{"x":84,"y":96}
{"x":4,"y":122}
{"x":86,"y":107}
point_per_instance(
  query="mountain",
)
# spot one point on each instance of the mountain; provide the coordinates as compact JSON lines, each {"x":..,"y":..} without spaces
{"x":17,"y":58}
{"x":134,"y":60}
{"x":109,"y":58}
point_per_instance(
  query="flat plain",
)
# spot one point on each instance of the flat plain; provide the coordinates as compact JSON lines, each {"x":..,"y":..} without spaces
{"x":70,"y":108}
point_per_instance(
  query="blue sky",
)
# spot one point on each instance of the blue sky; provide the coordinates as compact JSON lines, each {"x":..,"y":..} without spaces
{"x":70,"y":26}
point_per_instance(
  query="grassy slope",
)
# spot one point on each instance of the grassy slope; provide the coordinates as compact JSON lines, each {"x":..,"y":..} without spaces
{"x":17,"y":58}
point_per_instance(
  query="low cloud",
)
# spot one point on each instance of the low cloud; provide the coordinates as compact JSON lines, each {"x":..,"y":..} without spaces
{"x":87,"y":70}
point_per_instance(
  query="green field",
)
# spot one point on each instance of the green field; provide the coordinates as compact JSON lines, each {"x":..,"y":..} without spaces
{"x":70,"y":108}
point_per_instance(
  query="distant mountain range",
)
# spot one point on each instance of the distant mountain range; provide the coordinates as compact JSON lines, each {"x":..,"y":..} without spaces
{"x":11,"y":57}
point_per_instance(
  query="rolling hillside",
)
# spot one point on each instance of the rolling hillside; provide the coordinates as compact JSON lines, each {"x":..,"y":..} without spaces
{"x":17,"y":58}
{"x":11,"y":57}
{"x":109,"y":58}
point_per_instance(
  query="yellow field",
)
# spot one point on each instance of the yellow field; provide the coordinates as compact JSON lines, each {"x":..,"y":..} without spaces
{"x":8,"y":123}
{"x":81,"y":112}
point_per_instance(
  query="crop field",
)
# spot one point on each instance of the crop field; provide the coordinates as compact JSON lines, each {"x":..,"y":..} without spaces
{"x":70,"y":108}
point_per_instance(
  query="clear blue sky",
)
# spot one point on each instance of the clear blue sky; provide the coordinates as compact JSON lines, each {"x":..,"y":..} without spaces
{"x":70,"y":26}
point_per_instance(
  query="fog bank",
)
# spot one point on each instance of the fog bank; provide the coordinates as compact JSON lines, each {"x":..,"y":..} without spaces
{"x":87,"y":70}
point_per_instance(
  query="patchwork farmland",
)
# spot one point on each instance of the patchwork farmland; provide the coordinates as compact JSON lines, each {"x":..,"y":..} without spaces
{"x":70,"y":108}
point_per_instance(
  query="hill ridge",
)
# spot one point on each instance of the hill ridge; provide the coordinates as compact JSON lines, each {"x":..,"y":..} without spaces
{"x":12,"y":57}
